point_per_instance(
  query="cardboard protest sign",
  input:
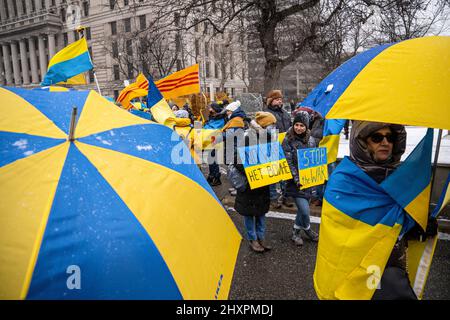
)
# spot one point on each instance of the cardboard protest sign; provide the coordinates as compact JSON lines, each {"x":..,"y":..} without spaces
{"x":312,"y":166}
{"x":264,"y":164}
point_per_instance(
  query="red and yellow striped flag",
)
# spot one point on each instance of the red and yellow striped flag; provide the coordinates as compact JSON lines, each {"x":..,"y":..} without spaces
{"x":134,"y":90}
{"x":180,"y":83}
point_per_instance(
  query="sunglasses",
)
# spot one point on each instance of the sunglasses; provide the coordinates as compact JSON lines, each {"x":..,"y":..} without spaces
{"x":378,"y":137}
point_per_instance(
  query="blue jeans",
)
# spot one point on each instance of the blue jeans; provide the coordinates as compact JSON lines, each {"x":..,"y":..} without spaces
{"x":273,"y":190}
{"x":214,"y":170}
{"x":255,"y":227}
{"x":302,"y":217}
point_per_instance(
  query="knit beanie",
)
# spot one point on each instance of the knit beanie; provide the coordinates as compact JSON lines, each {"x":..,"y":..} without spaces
{"x":216,"y":107}
{"x":272,"y":95}
{"x":303,"y":117}
{"x":265,"y":119}
{"x":233,"y":106}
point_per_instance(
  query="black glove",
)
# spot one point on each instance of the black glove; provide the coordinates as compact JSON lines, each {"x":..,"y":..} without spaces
{"x":417,"y":233}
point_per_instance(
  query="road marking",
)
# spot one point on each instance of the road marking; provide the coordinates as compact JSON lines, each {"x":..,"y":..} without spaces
{"x":314,"y":219}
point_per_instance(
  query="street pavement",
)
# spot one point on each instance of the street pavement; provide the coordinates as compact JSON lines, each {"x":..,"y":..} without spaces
{"x":286,"y":272}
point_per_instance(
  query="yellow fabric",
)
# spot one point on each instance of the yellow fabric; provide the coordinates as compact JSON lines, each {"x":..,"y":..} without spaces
{"x":347,"y":250}
{"x":408,"y":83}
{"x":332,"y":144}
{"x":58,"y":89}
{"x":281,"y":136}
{"x":214,"y":242}
{"x":419,"y":258}
{"x":134,"y":90}
{"x":22,"y":117}
{"x":418,"y":208}
{"x":163,"y":114}
{"x":236,"y":122}
{"x":27,"y":189}
{"x":182,"y":122}
{"x":268,"y":173}
{"x":79,"y":79}
{"x":182,"y":89}
{"x":265,"y":119}
{"x":71,"y":51}
{"x":100,"y":115}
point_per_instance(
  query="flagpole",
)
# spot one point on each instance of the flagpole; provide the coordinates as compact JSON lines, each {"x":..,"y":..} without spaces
{"x":436,"y":156}
{"x":80,"y":31}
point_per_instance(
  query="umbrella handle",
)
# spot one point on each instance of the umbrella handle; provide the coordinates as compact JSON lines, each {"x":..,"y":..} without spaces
{"x":72,"y":124}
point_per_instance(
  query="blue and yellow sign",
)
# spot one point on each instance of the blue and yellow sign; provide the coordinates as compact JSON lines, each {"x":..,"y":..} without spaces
{"x":312,"y":166}
{"x":264,"y":164}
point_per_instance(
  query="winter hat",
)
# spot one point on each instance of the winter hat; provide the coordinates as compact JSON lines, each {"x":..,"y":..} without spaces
{"x":216,"y":107}
{"x":272,"y":95}
{"x":303,"y":117}
{"x":233,"y":106}
{"x":265,"y":119}
{"x":181,"y":114}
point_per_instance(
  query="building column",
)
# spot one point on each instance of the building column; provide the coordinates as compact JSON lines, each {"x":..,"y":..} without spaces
{"x":42,"y":56}
{"x":33,"y":61}
{"x":10,"y":8}
{"x":51,"y":45}
{"x":24,"y":61}
{"x":19,"y":8}
{"x":70,"y":36}
{"x":15,"y":63}
{"x":3,"y":10}
{"x":29,"y":6}
{"x":7,"y":61}
{"x":60,"y":38}
{"x":2,"y":70}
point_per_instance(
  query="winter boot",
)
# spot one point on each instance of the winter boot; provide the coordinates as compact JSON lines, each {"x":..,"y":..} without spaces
{"x":264,"y":245}
{"x":311,"y":235}
{"x":255,"y":246}
{"x":296,"y":237}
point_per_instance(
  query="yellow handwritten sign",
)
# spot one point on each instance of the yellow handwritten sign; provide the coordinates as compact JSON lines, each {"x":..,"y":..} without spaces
{"x":264,"y":164}
{"x":312,"y":166}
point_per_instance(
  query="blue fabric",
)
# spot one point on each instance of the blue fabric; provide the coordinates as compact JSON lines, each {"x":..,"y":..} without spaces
{"x":255,"y":227}
{"x":14,"y":146}
{"x":302,"y":219}
{"x":154,"y":96}
{"x":333,"y":126}
{"x":152,"y":142}
{"x":67,"y":69}
{"x":441,"y":198}
{"x":60,"y":112}
{"x":406,"y":183}
{"x":357,"y":195}
{"x":214,"y":124}
{"x":341,"y":79}
{"x":91,"y":227}
{"x":142,"y":114}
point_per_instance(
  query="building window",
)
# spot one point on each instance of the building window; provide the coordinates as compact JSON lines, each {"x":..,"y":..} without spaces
{"x":232,"y":92}
{"x":116,"y":94}
{"x":33,"y":6}
{"x":43,"y":4}
{"x":76,"y":35}
{"x":206,"y":50}
{"x":91,"y":76}
{"x":66,"y":39}
{"x":142,"y":22}
{"x":113,"y":28}
{"x":177,"y":19}
{"x":15,"y":13}
{"x":179,"y":65}
{"x":130,"y":71}
{"x":129,"y":47}
{"x":195,"y":25}
{"x":115,"y":50}
{"x":125,"y":2}
{"x":231,"y":72}
{"x":216,"y":70}
{"x":205,"y":25}
{"x":88,"y":33}
{"x":112,"y":4}
{"x":86,"y":8}
{"x":127,"y":24}
{"x":197,"y":47}
{"x":116,"y":72}
{"x":207,"y":71}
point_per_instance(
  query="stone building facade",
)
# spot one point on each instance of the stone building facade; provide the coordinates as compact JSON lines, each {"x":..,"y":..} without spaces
{"x":32,"y":31}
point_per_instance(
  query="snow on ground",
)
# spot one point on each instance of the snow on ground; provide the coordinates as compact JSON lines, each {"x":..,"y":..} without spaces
{"x":414,"y":135}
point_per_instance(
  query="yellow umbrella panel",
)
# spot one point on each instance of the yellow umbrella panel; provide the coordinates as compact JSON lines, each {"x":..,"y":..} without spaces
{"x":108,"y":216}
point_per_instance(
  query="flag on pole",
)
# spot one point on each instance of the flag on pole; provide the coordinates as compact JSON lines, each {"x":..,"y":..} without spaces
{"x":180,"y":83}
{"x":79,"y":79}
{"x":134,"y":90}
{"x":159,"y":107}
{"x":69,"y":62}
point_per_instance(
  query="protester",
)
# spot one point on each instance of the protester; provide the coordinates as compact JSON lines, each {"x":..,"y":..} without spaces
{"x":274,"y":102}
{"x":216,"y":120}
{"x":254,"y":204}
{"x":299,"y":137}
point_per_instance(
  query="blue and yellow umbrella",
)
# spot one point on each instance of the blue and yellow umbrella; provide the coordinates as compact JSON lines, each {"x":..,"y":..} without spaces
{"x":404,"y":83}
{"x":110,"y":208}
